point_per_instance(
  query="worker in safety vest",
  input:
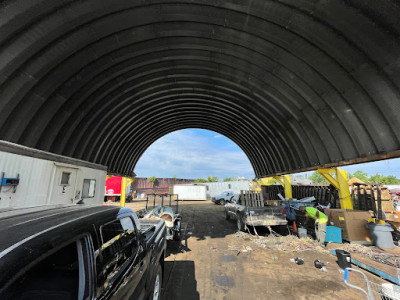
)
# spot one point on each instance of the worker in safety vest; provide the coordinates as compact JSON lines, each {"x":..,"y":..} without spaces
{"x":320,"y":221}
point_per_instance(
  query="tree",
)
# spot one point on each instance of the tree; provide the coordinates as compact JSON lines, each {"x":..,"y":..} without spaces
{"x":317,"y":178}
{"x":377,"y":178}
{"x":229,"y":179}
{"x":174,"y":176}
{"x":200,"y":180}
{"x":152,"y":180}
{"x":360,"y":175}
{"x":212,"y":179}
{"x":390,"y":179}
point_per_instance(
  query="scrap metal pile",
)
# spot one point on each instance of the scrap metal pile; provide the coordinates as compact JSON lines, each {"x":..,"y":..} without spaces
{"x":283,"y":243}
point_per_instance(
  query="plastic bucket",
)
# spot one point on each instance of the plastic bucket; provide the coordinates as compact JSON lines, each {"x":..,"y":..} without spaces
{"x":381,"y":235}
{"x":302,"y":233}
{"x":344,"y":258}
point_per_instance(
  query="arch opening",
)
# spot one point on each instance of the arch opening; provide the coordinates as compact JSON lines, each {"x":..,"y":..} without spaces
{"x":293,"y":85}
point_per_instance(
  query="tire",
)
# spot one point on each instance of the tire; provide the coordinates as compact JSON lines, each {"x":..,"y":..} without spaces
{"x":227,"y":217}
{"x":156,"y":294}
{"x":222,"y":201}
{"x":239,"y":224}
{"x":178,"y":233}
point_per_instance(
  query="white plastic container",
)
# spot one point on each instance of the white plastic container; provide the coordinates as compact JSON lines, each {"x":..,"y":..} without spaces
{"x":302,"y":233}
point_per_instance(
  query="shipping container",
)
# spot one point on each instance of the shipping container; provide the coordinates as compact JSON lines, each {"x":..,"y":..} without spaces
{"x":191,"y":192}
{"x":31,"y":177}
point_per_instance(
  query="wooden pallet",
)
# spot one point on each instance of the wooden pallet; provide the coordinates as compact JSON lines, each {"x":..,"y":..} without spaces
{"x":251,"y":198}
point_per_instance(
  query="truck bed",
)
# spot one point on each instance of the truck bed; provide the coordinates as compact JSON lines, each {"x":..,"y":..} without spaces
{"x":266,"y":216}
{"x":152,"y":229}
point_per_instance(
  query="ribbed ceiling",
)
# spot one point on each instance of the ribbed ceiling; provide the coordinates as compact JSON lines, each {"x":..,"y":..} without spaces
{"x":296,"y":84}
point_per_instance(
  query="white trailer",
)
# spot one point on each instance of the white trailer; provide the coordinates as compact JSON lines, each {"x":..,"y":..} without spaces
{"x":190,"y":191}
{"x":31,"y":177}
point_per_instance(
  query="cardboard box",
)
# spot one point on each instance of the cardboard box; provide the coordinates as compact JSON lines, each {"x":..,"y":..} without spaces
{"x":352,"y":222}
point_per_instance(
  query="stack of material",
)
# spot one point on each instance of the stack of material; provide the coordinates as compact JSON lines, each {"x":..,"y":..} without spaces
{"x":372,"y":253}
{"x":365,"y":197}
{"x":283,"y":243}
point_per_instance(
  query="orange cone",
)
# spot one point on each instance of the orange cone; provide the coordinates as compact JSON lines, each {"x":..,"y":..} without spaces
{"x":294,"y":226}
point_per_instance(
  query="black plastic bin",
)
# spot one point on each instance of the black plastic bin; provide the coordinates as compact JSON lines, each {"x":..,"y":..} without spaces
{"x":344,"y":259}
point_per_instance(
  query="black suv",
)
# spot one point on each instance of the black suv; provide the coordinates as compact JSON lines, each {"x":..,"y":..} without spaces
{"x":80,"y":252}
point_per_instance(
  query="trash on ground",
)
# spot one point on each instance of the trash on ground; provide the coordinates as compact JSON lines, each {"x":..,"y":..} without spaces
{"x":320,"y":265}
{"x":284,"y":243}
{"x":297,"y":260}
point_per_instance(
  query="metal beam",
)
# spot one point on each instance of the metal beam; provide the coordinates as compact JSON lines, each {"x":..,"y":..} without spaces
{"x":285,"y":181}
{"x":341,"y":183}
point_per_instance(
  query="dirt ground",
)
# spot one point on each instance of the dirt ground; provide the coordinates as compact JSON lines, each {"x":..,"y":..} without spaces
{"x":209,"y":265}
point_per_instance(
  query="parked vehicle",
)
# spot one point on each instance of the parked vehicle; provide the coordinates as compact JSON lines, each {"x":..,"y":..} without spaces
{"x":163,"y":212}
{"x":80,"y":252}
{"x":221,"y":199}
{"x":263,"y":215}
{"x":172,"y":220}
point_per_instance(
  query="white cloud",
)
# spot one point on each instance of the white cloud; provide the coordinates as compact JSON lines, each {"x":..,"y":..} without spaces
{"x":218,"y":136}
{"x":190,"y":155}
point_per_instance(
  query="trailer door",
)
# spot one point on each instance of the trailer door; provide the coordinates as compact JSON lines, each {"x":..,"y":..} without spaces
{"x":64,"y":185}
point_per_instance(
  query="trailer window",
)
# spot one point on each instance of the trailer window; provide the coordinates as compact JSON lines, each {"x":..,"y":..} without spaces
{"x":65,"y":176}
{"x":89,"y":187}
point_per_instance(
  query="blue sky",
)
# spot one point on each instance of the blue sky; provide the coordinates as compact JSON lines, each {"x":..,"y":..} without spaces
{"x":197,"y":153}
{"x":194,"y":153}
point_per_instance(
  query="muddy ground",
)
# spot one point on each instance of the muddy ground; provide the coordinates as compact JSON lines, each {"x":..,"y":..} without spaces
{"x":212,"y":266}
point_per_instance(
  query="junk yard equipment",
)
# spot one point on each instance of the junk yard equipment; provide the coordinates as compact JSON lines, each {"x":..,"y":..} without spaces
{"x":385,"y":291}
{"x":248,"y":209}
{"x":163,"y":212}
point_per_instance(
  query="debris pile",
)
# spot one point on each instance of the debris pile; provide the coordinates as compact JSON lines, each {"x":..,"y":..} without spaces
{"x":373,"y":253}
{"x":283,"y":243}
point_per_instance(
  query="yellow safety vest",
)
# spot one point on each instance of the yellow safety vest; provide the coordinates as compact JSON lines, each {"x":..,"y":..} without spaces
{"x":312,"y":213}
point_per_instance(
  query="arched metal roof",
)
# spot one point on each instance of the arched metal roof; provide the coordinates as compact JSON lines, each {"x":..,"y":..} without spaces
{"x":296,"y":84}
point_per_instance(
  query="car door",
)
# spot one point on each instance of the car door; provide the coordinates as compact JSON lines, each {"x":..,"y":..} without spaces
{"x":136,"y":260}
{"x":118,"y":265}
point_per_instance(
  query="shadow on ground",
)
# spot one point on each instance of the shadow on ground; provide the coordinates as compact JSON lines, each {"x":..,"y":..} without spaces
{"x":182,"y":274}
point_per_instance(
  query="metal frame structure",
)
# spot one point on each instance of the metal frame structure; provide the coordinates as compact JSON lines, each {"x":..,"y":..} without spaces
{"x":292,"y":84}
{"x":341,"y":183}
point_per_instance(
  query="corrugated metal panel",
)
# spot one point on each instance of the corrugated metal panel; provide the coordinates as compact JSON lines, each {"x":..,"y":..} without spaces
{"x":35,"y":174}
{"x":162,"y":185}
{"x":296,"y":84}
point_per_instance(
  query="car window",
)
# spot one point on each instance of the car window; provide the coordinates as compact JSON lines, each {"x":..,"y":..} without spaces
{"x":59,"y":275}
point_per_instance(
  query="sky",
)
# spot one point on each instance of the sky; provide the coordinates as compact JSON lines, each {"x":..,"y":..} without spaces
{"x":194,"y":153}
{"x":198,"y":153}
